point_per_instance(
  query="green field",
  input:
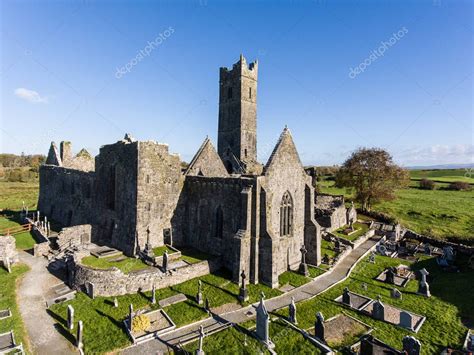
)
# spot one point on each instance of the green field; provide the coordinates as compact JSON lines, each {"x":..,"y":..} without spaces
{"x":126,"y":265}
{"x":447,"y":175}
{"x":440,"y":213}
{"x":8,"y":301}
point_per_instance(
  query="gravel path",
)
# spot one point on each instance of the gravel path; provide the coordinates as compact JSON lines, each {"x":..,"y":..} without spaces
{"x":42,"y":333}
{"x":329,"y":279}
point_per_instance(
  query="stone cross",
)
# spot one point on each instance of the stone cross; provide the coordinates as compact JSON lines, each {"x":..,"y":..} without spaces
{"x":201,"y":338}
{"x":303,"y":266}
{"x":378,"y":310}
{"x":70,"y":317}
{"x":79,"y":335}
{"x":411,"y":346}
{"x":406,"y":320}
{"x":165,"y":261}
{"x":243,"y":293}
{"x":423,"y":286}
{"x":292,"y":311}
{"x":319,"y":326}
{"x":346,"y":297}
{"x":153,"y":294}
{"x":390,"y":276}
{"x":263,"y":320}
{"x":372,"y":258}
{"x":199,"y":293}
{"x":130,"y":317}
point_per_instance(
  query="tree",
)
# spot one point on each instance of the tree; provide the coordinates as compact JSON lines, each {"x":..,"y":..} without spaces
{"x":427,"y":184}
{"x":373,"y":175}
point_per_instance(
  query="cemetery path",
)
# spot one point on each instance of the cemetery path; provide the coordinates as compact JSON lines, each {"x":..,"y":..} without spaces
{"x":43,"y":333}
{"x":329,"y":279}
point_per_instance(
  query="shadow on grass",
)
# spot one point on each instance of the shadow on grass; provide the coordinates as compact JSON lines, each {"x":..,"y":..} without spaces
{"x":115,"y":322}
{"x":57,"y":317}
{"x":65,"y":333}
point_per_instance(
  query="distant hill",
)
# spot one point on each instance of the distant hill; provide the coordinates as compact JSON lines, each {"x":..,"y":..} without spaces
{"x":441,"y":167}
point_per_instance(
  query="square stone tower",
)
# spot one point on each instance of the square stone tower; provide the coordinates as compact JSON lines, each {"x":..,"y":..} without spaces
{"x":237,"y":138}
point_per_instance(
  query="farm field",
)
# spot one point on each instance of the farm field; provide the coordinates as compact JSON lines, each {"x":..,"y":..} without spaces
{"x":440,"y":213}
{"x":448,"y":175}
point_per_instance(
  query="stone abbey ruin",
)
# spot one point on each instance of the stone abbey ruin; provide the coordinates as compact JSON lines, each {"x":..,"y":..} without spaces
{"x":136,"y":196}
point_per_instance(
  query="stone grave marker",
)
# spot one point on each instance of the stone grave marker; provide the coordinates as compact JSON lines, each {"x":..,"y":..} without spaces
{"x":79,"y":335}
{"x":395,"y":293}
{"x":70,"y":317}
{"x":116,"y":302}
{"x":411,"y":345}
{"x":390,"y":276}
{"x":292,"y":311}
{"x":199,"y":293}
{"x":319,"y":326}
{"x":346,"y":297}
{"x":165,"y":261}
{"x":243,"y":292}
{"x":378,"y":310}
{"x":372,"y":258}
{"x":263,"y":321}
{"x":153,"y":294}
{"x":303,"y":269}
{"x":199,"y":351}
{"x":406,"y":320}
{"x":424,"y":287}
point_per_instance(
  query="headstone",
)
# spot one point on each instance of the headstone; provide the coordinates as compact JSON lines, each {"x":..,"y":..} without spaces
{"x":423,"y":286}
{"x":448,"y":253}
{"x":263,"y":320}
{"x":8,"y":264}
{"x":319,"y":326}
{"x":411,"y":346}
{"x":325,"y":259}
{"x":70,"y":317}
{"x":207,"y":307}
{"x":427,"y":249}
{"x":201,"y":338}
{"x":116,"y":302}
{"x":337,"y":245}
{"x":398,"y":230}
{"x":346,"y":297}
{"x":243,"y":292}
{"x":153,"y":294}
{"x":292,"y":311}
{"x":395,"y":293}
{"x":199,"y":293}
{"x":79,"y":335}
{"x":378,"y":310}
{"x":49,"y":229}
{"x":372,"y":258}
{"x":303,"y":266}
{"x":165,"y":261}
{"x":90,"y":289}
{"x":130,"y":317}
{"x":406,"y":320}
{"x":390,"y":276}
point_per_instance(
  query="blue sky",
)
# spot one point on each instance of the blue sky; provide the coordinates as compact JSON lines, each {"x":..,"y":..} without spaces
{"x":59,"y":62}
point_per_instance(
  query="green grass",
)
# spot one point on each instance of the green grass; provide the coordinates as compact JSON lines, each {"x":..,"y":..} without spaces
{"x":193,"y":256}
{"x":8,"y":300}
{"x":328,"y":248}
{"x":449,"y":302}
{"x":360,"y":229}
{"x":127,"y":265}
{"x":439,"y":213}
{"x":445,"y":175}
{"x":159,"y":251}
{"x":293,"y":278}
{"x":14,"y":193}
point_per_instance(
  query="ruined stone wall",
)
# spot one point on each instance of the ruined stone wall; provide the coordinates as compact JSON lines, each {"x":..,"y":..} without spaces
{"x":74,"y":236}
{"x":207,"y":162}
{"x":66,"y":195}
{"x":330,"y":211}
{"x":113,"y":282}
{"x":204,"y":202}
{"x":8,"y":249}
{"x":116,"y":195}
{"x":159,"y":185}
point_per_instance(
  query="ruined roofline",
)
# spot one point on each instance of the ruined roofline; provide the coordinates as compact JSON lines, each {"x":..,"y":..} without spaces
{"x":242,"y":65}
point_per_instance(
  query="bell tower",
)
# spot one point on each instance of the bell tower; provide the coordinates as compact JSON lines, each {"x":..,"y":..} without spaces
{"x":237,"y":136}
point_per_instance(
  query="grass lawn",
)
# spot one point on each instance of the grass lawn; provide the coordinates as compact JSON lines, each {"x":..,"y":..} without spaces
{"x":327,"y":248}
{"x":8,"y":300}
{"x":445,"y":175}
{"x":159,"y":251}
{"x":193,"y":256}
{"x":360,"y":229}
{"x":449,"y":302}
{"x":127,"y":265}
{"x":293,"y":278}
{"x":439,"y":213}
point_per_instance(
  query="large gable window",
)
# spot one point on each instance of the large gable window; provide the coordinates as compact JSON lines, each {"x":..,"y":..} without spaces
{"x":286,"y":215}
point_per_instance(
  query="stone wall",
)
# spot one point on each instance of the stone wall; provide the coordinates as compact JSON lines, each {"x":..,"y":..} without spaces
{"x":8,"y":249}
{"x":330,"y":211}
{"x":74,"y":236}
{"x":114,"y":282}
{"x":65,"y":194}
{"x":207,"y":162}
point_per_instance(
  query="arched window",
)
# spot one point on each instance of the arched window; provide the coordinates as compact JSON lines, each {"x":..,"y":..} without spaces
{"x":286,"y":215}
{"x":219,"y":223}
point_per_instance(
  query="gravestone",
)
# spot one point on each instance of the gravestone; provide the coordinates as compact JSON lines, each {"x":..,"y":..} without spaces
{"x":90,"y":289}
{"x":372,"y":258}
{"x":8,"y":264}
{"x":395,"y":293}
{"x":378,"y":310}
{"x":79,"y":335}
{"x":165,"y":261}
{"x":292,"y":311}
{"x":390,"y":276}
{"x":406,"y":320}
{"x":411,"y":346}
{"x":116,"y":302}
{"x":337,"y":245}
{"x":243,"y":293}
{"x":398,"y":230}
{"x":70,"y":317}
{"x":153,"y":294}
{"x":207,"y":307}
{"x":130,"y":317}
{"x":303,"y":266}
{"x":199,"y":293}
{"x":427,"y":249}
{"x":424,"y":287}
{"x":199,"y":351}
{"x":263,"y":320}
{"x":319,"y":326}
{"x":325,"y":259}
{"x":448,"y":253}
{"x":346,"y":297}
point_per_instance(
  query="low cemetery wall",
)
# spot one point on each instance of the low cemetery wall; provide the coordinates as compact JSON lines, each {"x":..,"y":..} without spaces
{"x":113,"y":282}
{"x":74,"y":236}
{"x":461,"y":248}
{"x":41,"y":249}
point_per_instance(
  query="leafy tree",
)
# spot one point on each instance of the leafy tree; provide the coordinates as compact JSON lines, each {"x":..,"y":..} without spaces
{"x":427,"y":184}
{"x":373,"y":175}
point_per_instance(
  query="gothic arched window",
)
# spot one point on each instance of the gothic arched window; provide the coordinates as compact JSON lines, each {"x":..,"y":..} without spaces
{"x":219,"y":223}
{"x":286,"y":215}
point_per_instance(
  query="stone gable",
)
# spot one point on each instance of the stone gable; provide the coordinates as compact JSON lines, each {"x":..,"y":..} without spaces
{"x":207,"y":162}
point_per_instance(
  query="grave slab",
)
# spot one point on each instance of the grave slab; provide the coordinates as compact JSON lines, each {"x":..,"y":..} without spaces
{"x":172,"y":300}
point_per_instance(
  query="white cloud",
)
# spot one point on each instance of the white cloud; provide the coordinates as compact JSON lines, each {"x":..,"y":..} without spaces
{"x":437,"y":154}
{"x":30,"y":96}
